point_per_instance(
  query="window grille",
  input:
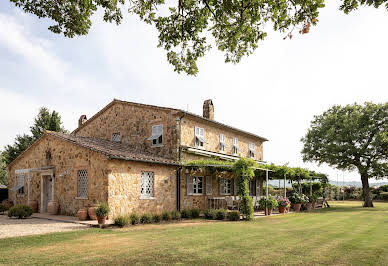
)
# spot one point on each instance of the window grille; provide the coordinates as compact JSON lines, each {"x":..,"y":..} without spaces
{"x":235,"y":146}
{"x":116,"y":137}
{"x":82,"y":191}
{"x":222,"y":142}
{"x":209,"y":180}
{"x":157,"y":135}
{"x":147,"y":184}
{"x":20,"y":185}
{"x":252,"y":152}
{"x":225,"y":186}
{"x":194,"y":185}
{"x":199,"y":136}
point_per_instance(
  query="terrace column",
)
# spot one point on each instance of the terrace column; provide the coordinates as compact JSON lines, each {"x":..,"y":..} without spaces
{"x":285,"y":190}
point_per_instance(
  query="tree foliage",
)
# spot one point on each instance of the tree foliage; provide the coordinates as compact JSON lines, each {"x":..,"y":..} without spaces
{"x":3,"y":171}
{"x":351,"y":137}
{"x":45,"y":120}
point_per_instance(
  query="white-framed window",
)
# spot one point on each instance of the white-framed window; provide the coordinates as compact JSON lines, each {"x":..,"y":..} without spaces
{"x":157,"y":135}
{"x":225,"y":186}
{"x":116,"y":137}
{"x":20,"y":185}
{"x":199,"y":137}
{"x":222,"y":142}
{"x":251,"y":152}
{"x":209,"y":181}
{"x":82,"y":183}
{"x":235,"y":146}
{"x":147,"y":185}
{"x":194,"y":185}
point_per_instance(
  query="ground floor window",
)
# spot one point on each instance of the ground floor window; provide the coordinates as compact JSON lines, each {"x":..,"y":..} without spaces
{"x":82,"y":191}
{"x":20,"y":186}
{"x":194,"y":185}
{"x":147,"y":185}
{"x":225,"y":186}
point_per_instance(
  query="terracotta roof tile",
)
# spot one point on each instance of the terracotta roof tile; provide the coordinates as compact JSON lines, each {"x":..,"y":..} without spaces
{"x":114,"y":150}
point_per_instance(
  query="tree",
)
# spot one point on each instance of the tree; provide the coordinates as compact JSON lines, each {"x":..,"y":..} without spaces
{"x":353,"y":137}
{"x":3,"y":171}
{"x":43,"y":121}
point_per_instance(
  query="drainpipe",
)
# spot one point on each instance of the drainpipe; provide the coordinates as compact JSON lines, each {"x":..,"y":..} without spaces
{"x":28,"y":187}
{"x":179,"y":170}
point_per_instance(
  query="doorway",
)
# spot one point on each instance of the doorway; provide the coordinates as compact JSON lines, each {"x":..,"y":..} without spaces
{"x":47,"y":191}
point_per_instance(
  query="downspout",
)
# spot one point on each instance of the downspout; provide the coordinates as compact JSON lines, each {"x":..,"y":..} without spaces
{"x":179,"y":170}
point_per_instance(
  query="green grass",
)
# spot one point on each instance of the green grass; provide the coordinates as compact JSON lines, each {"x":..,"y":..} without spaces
{"x":345,"y":234}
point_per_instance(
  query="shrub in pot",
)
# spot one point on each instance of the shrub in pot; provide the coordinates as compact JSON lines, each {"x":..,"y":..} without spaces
{"x":102,"y":212}
{"x":2,"y":208}
{"x":134,"y":218}
{"x":284,"y":204}
{"x":233,"y":216}
{"x":297,"y":199}
{"x":20,"y":211}
{"x":146,"y":218}
{"x":268,"y":204}
{"x":210,"y":214}
{"x":315,"y":199}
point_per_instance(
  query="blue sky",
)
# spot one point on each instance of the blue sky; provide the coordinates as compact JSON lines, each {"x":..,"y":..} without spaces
{"x":274,"y":93}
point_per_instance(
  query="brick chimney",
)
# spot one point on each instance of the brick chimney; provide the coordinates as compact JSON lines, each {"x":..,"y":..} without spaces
{"x":208,"y":109}
{"x":82,"y":120}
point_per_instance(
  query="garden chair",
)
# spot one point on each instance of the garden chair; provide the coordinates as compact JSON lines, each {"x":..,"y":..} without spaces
{"x":230,"y":203}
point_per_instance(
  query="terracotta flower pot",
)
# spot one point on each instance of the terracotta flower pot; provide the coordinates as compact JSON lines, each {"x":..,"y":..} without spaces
{"x":53,"y":207}
{"x":282,"y":209}
{"x":296,"y":207}
{"x":101,"y":220}
{"x":82,"y":214}
{"x":34,"y":205}
{"x":268,"y":211}
{"x":288,"y":208}
{"x":92,"y":212}
{"x":309,"y":206}
{"x":7,"y":203}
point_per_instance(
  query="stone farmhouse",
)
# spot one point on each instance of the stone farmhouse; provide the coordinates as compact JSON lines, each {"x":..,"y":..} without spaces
{"x":132,"y":156}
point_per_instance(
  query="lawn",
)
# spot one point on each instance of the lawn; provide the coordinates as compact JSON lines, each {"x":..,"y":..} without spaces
{"x":342,"y":235}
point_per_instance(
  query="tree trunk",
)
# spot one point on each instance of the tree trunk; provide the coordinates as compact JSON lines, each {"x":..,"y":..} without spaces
{"x":365,"y":191}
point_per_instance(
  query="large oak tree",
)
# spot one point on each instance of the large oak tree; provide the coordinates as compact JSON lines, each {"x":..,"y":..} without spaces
{"x":351,"y":137}
{"x":185,"y":26}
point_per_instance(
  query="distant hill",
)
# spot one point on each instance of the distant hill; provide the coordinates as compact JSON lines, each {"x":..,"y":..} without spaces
{"x":356,"y":183}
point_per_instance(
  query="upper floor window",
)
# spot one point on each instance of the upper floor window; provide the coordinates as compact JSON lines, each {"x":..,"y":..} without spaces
{"x":222,"y":142}
{"x":252,"y":152}
{"x":147,"y":185}
{"x":235,"y":146}
{"x":20,"y":186}
{"x":116,"y":137}
{"x":82,"y":186}
{"x":199,"y":137}
{"x":157,"y":135}
{"x":194,"y":185}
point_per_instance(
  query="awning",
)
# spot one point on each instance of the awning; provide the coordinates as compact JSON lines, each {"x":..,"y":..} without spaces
{"x":201,"y":138}
{"x":155,"y":136}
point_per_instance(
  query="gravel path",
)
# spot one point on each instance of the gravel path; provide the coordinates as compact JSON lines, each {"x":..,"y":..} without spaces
{"x":33,"y":226}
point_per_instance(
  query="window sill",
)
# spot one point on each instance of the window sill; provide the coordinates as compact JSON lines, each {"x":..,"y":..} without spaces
{"x":157,"y":146}
{"x":147,"y":198}
{"x":196,"y":194}
{"x":81,"y":198}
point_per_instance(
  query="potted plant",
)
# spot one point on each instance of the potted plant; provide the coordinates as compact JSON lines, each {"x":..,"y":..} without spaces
{"x":268,"y":204}
{"x":284,"y":204}
{"x":309,"y":203}
{"x":297,"y":200}
{"x":102,"y":212}
{"x":315,"y":199}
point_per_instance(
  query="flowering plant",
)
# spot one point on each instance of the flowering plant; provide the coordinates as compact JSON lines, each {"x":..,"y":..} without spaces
{"x":284,"y":202}
{"x":269,"y":203}
{"x":297,"y":198}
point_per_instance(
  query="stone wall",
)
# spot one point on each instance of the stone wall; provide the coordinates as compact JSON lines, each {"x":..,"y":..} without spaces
{"x":212,"y":133}
{"x":67,"y":160}
{"x":125,"y":186}
{"x":134,"y":123}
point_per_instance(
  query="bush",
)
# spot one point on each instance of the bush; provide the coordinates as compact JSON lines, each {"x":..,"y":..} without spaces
{"x":269,"y":203}
{"x":210,"y":214}
{"x":234,"y":216}
{"x":166,"y":216}
{"x":156,"y":218}
{"x":185,"y":213}
{"x":134,"y":218}
{"x":175,"y":215}
{"x":195,"y":213}
{"x":146,"y":218}
{"x":2,"y":208}
{"x":102,"y":210}
{"x":383,"y":195}
{"x":122,"y":220}
{"x":246,"y":207}
{"x":20,"y":211}
{"x":221,"y":214}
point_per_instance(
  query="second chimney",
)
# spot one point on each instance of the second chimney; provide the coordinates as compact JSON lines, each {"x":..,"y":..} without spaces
{"x":208,"y":109}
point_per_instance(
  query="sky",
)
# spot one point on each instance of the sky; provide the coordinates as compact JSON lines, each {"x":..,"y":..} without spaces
{"x":274,"y":93}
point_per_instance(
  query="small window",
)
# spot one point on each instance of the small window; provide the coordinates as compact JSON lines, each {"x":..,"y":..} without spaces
{"x":20,"y":185}
{"x":235,"y":146}
{"x":252,"y":152}
{"x":199,"y":137}
{"x":116,"y":137}
{"x":157,"y":135}
{"x":147,"y":185}
{"x":225,"y":186}
{"x":82,"y":191}
{"x":222,"y":142}
{"x":197,"y":185}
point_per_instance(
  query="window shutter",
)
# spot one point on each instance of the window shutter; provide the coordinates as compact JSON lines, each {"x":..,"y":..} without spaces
{"x":209,"y":180}
{"x":235,"y":186}
{"x":222,"y":186}
{"x":189,"y":185}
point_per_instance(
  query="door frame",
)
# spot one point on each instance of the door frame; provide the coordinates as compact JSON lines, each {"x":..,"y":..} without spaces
{"x":43,"y":177}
